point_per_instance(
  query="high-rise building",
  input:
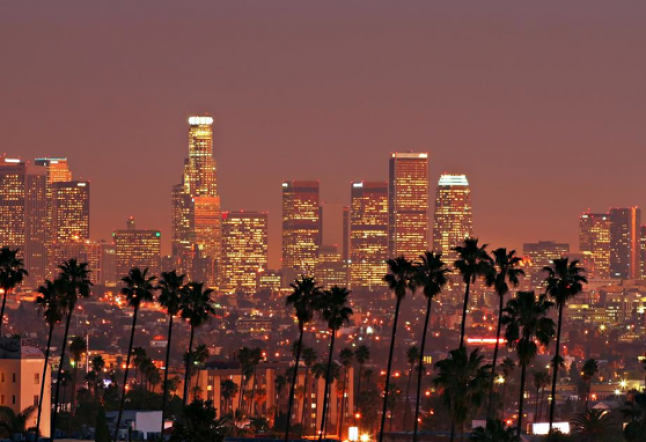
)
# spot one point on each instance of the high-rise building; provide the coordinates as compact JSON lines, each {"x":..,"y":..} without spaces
{"x":594,"y":244}
{"x":624,"y":242}
{"x":244,"y":250}
{"x":301,"y":227}
{"x":540,"y":255}
{"x":70,"y":211}
{"x":86,"y":251}
{"x":13,"y":174}
{"x":368,"y":234}
{"x":408,"y":205}
{"x":330,"y":269}
{"x":453,"y":221}
{"x":137,"y":248}
{"x":196,"y":214}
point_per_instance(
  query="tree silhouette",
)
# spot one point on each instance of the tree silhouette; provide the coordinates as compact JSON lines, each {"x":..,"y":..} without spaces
{"x":12,"y":273}
{"x":346,"y":356}
{"x":78,"y":347}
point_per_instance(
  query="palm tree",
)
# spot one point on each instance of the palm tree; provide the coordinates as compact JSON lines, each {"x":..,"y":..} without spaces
{"x":139,"y":357}
{"x":362,"y":355}
{"x":473,"y":262}
{"x":171,"y":286}
{"x":200,"y":355}
{"x":98,"y":365}
{"x":12,"y":273}
{"x":431,"y":275}
{"x":494,"y":431}
{"x":256,"y":357}
{"x":309,"y":359}
{"x":506,"y":272}
{"x":634,"y":411}
{"x":197,"y":308}
{"x":564,"y":281}
{"x":75,"y":284}
{"x":280,"y":382}
{"x":400,"y":279}
{"x":51,"y":299}
{"x":527,"y":325}
{"x":541,"y":381}
{"x":464,"y":381}
{"x":78,"y":347}
{"x":507,"y":367}
{"x":594,"y":426}
{"x":412,"y":357}
{"x":588,"y":372}
{"x":303,"y":297}
{"x":334,"y":310}
{"x":244,"y":357}
{"x":138,"y":288}
{"x":14,"y":423}
{"x":345,"y":356}
{"x":229,"y":391}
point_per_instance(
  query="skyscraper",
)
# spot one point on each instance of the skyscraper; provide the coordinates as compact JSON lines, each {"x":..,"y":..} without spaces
{"x":624,"y":242}
{"x":368,"y":234}
{"x":196,"y":214}
{"x":137,"y":248}
{"x":12,"y":202}
{"x":408,"y":205}
{"x":244,"y":250}
{"x":301,"y":227}
{"x":594,"y":244}
{"x":540,"y":255}
{"x":453,"y":221}
{"x":70,"y":209}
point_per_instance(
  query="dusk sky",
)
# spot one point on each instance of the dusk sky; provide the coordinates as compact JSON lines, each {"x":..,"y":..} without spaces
{"x":541,"y":104}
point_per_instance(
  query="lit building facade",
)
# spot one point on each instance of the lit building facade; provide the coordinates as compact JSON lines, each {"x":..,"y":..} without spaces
{"x":624,"y":242}
{"x":539,"y":255}
{"x":301,"y":226}
{"x":594,"y":244}
{"x":368,"y":234}
{"x":330,"y":269}
{"x":137,"y":248}
{"x":408,"y":224}
{"x":87,"y":251}
{"x":453,"y":220}
{"x":244,"y":250}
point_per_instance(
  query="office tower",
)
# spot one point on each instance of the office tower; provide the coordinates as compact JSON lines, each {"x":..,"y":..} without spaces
{"x":109,"y":264}
{"x":244,"y":250}
{"x":540,"y":255}
{"x":330,"y":270}
{"x":21,"y":366}
{"x":137,"y":248}
{"x":642,"y":252}
{"x":196,"y":215}
{"x":87,"y":251}
{"x":594,"y":244}
{"x":453,"y":221}
{"x":301,"y":227}
{"x":408,"y":205}
{"x":12,"y":202}
{"x":624,"y":242}
{"x":368,"y":234}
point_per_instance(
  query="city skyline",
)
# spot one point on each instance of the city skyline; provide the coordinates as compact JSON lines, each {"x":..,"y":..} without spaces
{"x":558,"y":97}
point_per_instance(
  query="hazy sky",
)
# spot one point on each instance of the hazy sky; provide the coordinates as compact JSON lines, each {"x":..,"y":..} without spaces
{"x":541,"y":104}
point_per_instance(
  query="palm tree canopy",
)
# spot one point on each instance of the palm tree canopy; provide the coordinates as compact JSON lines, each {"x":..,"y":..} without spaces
{"x":593,"y":425}
{"x":541,"y":379}
{"x":309,"y":356}
{"x":412,"y":355}
{"x":14,"y":423}
{"x":75,"y":280}
{"x":590,"y":368}
{"x":51,"y":298}
{"x":527,"y":323}
{"x":12,"y":269}
{"x":332,"y":305}
{"x":473,"y":261}
{"x":506,"y":271}
{"x":400,"y":276}
{"x":138,"y":287}
{"x":304,"y":297}
{"x":362,"y":354}
{"x":171,"y":285}
{"x":78,"y":346}
{"x":197,"y":305}
{"x":430,"y":273}
{"x":564,"y":280}
{"x":346,"y":355}
{"x":495,"y":431}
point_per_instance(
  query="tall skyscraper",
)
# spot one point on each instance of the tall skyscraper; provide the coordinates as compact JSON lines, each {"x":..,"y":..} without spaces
{"x":244,"y":250}
{"x":301,"y":227}
{"x":453,"y":221}
{"x":540,"y":255}
{"x":196,"y":215}
{"x":137,"y":248}
{"x":624,"y":242}
{"x":13,"y":174}
{"x":408,"y":205}
{"x":594,"y":244}
{"x":368,"y":234}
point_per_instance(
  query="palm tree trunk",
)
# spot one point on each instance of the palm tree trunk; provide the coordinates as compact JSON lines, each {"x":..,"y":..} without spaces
{"x":587,"y":397}
{"x":4,"y":304}
{"x":522,"y":397}
{"x":495,"y":357}
{"x":540,"y":408}
{"x":538,"y":390}
{"x":464,"y":313}
{"x":290,"y":403}
{"x":74,"y":386}
{"x":326,"y":394}
{"x":165,"y":393}
{"x":305,"y":401}
{"x":390,"y":362}
{"x":42,"y":380}
{"x":187,"y":373}
{"x":556,"y":366}
{"x":407,"y":404}
{"x":125,"y":374}
{"x":342,"y":416}
{"x":60,"y":371}
{"x":356,"y":402}
{"x":420,"y":366}
{"x":197,"y":382}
